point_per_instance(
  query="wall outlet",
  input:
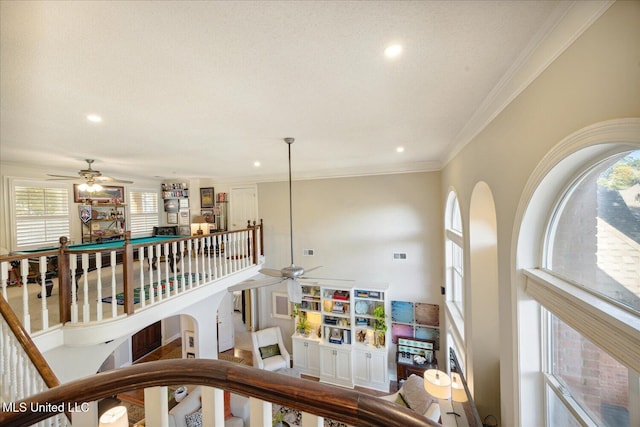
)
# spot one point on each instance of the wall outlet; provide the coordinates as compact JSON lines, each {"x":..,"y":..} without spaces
{"x":307,"y":252}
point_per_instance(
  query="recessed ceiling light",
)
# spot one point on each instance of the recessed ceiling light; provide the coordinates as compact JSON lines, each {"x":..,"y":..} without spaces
{"x":94,"y":118}
{"x":393,"y":51}
{"x":399,"y":149}
{"x":256,"y":164}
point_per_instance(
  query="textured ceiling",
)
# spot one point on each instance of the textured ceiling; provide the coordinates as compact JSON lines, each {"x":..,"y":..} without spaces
{"x":204,"y":89}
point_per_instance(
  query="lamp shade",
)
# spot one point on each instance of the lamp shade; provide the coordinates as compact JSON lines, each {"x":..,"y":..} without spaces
{"x":458,"y":393}
{"x":115,"y":417}
{"x":199,"y":219}
{"x":437,"y":383}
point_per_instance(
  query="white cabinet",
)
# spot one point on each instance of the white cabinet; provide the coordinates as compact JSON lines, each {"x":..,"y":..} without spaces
{"x":370,"y":368}
{"x":335,"y":365}
{"x":306,"y":355}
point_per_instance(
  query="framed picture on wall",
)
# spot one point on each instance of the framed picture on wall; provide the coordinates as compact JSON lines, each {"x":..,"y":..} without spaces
{"x":206,"y":197}
{"x":172,"y":217}
{"x":281,"y":308}
{"x":108,"y":194}
{"x":189,"y":342}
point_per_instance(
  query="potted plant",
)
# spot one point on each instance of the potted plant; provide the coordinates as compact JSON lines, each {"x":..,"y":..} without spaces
{"x":303,"y":326}
{"x":380,"y":325}
{"x":278,"y":420}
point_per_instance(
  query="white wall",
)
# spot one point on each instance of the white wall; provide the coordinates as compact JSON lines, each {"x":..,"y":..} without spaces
{"x":595,"y":79}
{"x":11,"y":170}
{"x":354,"y":225}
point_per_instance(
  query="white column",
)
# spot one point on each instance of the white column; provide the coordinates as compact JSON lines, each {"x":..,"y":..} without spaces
{"x":156,"y":406}
{"x":212,"y":406}
{"x":260,"y":413}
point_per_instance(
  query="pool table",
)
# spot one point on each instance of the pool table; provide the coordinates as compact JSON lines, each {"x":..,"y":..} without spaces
{"x":92,"y":248}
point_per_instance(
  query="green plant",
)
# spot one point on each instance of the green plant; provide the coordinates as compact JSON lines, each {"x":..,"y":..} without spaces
{"x":380,"y":319}
{"x":380,"y":325}
{"x":304,"y":326}
{"x":278,"y":419}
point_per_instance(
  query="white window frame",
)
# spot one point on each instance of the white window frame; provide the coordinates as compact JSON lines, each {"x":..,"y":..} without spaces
{"x":23,"y":182}
{"x":152,"y":217}
{"x":455,"y":289}
{"x":539,"y":200}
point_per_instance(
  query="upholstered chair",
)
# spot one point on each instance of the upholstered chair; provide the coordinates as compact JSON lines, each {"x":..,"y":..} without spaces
{"x":269,"y":352}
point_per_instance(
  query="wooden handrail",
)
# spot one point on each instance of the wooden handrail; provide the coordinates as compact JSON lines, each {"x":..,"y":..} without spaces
{"x":28,"y":345}
{"x":344,"y":405}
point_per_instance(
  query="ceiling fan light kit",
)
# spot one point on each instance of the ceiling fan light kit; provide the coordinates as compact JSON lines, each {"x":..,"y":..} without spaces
{"x":91,"y":178}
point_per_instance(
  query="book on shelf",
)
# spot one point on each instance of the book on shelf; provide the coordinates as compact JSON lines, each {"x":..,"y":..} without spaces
{"x":335,"y":340}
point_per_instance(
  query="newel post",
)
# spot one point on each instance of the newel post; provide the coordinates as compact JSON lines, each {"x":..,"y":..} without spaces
{"x":64,"y":281}
{"x":254,"y":243}
{"x":127,"y":272}
{"x":261,"y":237}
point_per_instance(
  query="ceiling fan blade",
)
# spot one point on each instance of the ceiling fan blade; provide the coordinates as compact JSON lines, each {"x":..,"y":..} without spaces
{"x":61,"y":177}
{"x":271,"y":272}
{"x":311,"y":269}
{"x":333,"y":279}
{"x":109,"y":179}
{"x":254,"y":283}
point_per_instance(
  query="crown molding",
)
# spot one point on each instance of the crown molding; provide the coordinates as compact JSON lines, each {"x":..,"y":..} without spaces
{"x":569,"y":20}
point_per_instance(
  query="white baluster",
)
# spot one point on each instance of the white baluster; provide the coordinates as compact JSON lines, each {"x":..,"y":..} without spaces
{"x":203,"y":250}
{"x":167,"y":261}
{"x":189,"y":254}
{"x":182,"y":280}
{"x":43,"y":292}
{"x":114,"y":289}
{"x":175,"y":267}
{"x":143,"y":296}
{"x":99,"y":287}
{"x":208,"y":241}
{"x":159,"y":273}
{"x":215,"y":256}
{"x":152,"y":294}
{"x":85,"y":287}
{"x":227,"y":250}
{"x":195,"y":256}
{"x":73,"y":261}
{"x":4,"y":277}
{"x":24,"y":272}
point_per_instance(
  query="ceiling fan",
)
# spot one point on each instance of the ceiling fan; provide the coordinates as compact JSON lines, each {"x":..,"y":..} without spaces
{"x":92,"y":178}
{"x":288,"y":274}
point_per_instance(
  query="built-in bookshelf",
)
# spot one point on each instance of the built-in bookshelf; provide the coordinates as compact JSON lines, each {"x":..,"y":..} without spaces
{"x":346,"y":316}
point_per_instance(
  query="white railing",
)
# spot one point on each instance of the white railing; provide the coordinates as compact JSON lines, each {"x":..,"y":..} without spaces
{"x":19,"y":377}
{"x":105,"y":284}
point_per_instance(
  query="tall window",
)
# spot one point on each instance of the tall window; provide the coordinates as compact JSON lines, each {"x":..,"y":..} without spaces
{"x":594,"y":237}
{"x":592,"y":253}
{"x":144,"y":212}
{"x":41,"y":213}
{"x":454,"y":254}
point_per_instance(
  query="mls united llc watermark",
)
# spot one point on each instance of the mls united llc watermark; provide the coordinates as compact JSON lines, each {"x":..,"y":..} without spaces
{"x":45,"y":407}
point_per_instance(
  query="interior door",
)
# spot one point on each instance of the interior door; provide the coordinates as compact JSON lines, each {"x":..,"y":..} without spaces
{"x":244,"y":206}
{"x":146,"y":341}
{"x":225,"y":323}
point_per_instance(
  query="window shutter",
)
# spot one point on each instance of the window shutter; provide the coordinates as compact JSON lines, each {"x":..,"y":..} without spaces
{"x":42,"y":215}
{"x":144,"y":212}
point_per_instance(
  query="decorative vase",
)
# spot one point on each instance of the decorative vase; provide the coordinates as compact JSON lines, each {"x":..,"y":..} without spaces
{"x":180,"y":393}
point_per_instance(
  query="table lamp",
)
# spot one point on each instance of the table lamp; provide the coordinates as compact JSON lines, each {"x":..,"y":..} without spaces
{"x":199,"y":219}
{"x":458,"y":393}
{"x":115,"y":417}
{"x":437,"y":383}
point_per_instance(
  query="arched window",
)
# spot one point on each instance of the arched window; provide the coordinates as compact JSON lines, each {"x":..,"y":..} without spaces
{"x":588,"y":286}
{"x":454,"y":256}
{"x":594,"y":234}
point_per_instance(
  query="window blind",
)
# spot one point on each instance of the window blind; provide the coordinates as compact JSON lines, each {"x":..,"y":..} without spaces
{"x":144,"y":212}
{"x":42,"y":215}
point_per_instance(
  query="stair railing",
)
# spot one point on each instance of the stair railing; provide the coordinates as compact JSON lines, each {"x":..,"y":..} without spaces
{"x":339,"y":404}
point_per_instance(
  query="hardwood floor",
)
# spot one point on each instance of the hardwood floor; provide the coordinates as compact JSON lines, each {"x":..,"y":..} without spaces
{"x":173,"y":350}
